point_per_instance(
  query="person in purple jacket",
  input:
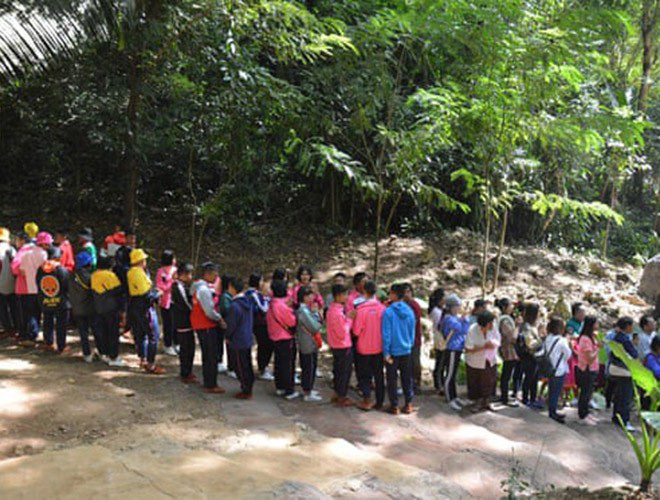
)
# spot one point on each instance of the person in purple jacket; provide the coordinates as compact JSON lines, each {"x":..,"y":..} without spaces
{"x":454,"y":329}
{"x":240,"y":321}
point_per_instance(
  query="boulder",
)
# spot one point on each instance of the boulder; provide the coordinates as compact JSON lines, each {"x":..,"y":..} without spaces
{"x":649,"y":286}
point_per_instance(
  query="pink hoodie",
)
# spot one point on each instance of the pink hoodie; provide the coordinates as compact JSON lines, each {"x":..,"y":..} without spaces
{"x":164,"y":281}
{"x":280,"y":319}
{"x":339,"y":327}
{"x":318,"y":299}
{"x":367,"y":327}
{"x":350,"y":302}
{"x":25,"y":265}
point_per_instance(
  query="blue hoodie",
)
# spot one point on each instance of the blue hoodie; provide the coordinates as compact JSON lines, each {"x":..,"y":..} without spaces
{"x":240,"y":321}
{"x":460,"y":328}
{"x":398,"y":325}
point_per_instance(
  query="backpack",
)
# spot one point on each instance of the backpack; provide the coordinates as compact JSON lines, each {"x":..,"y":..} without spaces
{"x":519,"y":345}
{"x":546,"y":369}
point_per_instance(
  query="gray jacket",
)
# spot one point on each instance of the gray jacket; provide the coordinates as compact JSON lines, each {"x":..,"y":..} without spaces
{"x":80,"y":292}
{"x":308,"y":324}
{"x":7,"y":279}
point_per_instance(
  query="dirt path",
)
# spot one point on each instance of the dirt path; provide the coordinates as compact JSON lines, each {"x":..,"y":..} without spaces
{"x":75,"y":430}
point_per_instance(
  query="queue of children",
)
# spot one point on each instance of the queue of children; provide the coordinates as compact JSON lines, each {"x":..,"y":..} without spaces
{"x":376,"y":336}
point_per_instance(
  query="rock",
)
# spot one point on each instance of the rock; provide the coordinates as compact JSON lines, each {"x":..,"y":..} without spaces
{"x":537,"y":272}
{"x":569,"y":265}
{"x":649,"y":285}
{"x":594,"y":298}
{"x":598,"y":269}
{"x":634,"y":300}
{"x":623,"y":278}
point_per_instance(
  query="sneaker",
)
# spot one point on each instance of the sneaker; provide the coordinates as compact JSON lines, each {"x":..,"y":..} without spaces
{"x":292,"y":396}
{"x":190,"y":379}
{"x":318,"y":373}
{"x":587,"y":421}
{"x":104,"y":358}
{"x":558,"y":419}
{"x":408,"y":409}
{"x":537,"y":405}
{"x":171,"y":351}
{"x":117,"y":362}
{"x":312,"y":398}
{"x":393,"y":410}
{"x":345,"y":402}
{"x":88,"y":359}
{"x":463,"y":402}
{"x":232,"y":375}
{"x":365,"y":405}
{"x":630,"y":427}
{"x":177,"y":348}
{"x":296,"y":379}
{"x":214,"y":390}
{"x":455,"y":405}
{"x":512,"y":403}
{"x":222,"y":368}
{"x":280,"y":392}
{"x":593,"y":405}
{"x":267,"y":375}
{"x":243,"y":395}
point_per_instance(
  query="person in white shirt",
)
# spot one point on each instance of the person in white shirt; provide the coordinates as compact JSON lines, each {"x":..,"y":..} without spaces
{"x":481,"y":345}
{"x":436,"y":303}
{"x":558,"y":352}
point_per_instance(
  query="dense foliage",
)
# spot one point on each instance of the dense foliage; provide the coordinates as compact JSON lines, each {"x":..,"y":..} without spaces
{"x":532,"y":121}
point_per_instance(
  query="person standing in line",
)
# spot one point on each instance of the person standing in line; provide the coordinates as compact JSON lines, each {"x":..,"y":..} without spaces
{"x":66,"y":249}
{"x":398,"y":328}
{"x":308,"y":337}
{"x":240,"y":321}
{"x":556,"y":348}
{"x":164,"y":281}
{"x":8,"y":307}
{"x":25,"y":265}
{"x":181,"y":307}
{"x":435,"y":312}
{"x":528,"y":343}
{"x":367,"y":327}
{"x":86,"y":242}
{"x":416,"y":355}
{"x":623,"y":383}
{"x":142,"y":297}
{"x":204,"y":319}
{"x":481,"y":345}
{"x":454,"y":330}
{"x":281,"y":320}
{"x":82,"y":302}
{"x":106,"y":289}
{"x":53,"y":294}
{"x":508,"y":332}
{"x":264,"y":344}
{"x":587,"y":367}
{"x":339,"y":340}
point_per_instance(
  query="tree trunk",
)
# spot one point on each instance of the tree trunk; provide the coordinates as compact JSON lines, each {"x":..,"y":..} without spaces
{"x":613,"y":202}
{"x":500,"y":249}
{"x":650,"y":14}
{"x":130,"y":166}
{"x":379,"y":215}
{"x":484,"y":261}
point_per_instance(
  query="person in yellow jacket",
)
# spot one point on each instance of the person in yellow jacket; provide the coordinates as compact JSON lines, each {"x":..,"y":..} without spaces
{"x":141,"y":312}
{"x":106,"y":290}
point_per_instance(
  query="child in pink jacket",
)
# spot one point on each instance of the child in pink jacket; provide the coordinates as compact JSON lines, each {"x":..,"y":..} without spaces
{"x":25,"y":265}
{"x":367,"y":330}
{"x":280,"y":320}
{"x":339,"y":340}
{"x":164,"y":282}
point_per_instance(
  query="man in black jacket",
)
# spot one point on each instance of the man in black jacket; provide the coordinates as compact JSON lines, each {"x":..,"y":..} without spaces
{"x":53,"y":296}
{"x":181,"y":307}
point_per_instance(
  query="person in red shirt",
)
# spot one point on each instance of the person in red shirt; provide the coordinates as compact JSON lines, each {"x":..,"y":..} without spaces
{"x":339,"y":340}
{"x":66,"y":250}
{"x":369,"y":348}
{"x":409,"y":299}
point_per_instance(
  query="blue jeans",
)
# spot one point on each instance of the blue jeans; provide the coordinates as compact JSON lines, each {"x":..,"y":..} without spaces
{"x":555,"y":385}
{"x":401,"y":366}
{"x":57,"y":320}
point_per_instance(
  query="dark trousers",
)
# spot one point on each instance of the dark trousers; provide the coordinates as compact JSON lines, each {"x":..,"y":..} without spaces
{"x":585,"y":380}
{"x":139,"y":318}
{"x":285,"y":357}
{"x":243,"y":366}
{"x":507,"y":371}
{"x":168,"y":327}
{"x":8,"y":312}
{"x":342,"y":361}
{"x":417,"y":367}
{"x":186,"y":341}
{"x":401,"y":366}
{"x":371,"y":369}
{"x":208,"y":342}
{"x":264,"y":347}
{"x":308,"y":364}
{"x":221,"y":343}
{"x":531,"y":380}
{"x":555,"y":385}
{"x":517,"y":378}
{"x":108,"y":327}
{"x":84,"y":324}
{"x":439,"y":370}
{"x":452,"y":361}
{"x":623,"y":395}
{"x":610,"y":389}
{"x":58,"y":321}
{"x":29,"y":316}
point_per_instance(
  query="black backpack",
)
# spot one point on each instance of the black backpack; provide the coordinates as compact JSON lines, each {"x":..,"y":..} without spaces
{"x":546,"y":369}
{"x":519,"y":346}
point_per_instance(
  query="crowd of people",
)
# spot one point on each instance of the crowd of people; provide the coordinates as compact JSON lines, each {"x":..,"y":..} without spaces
{"x":50,"y":284}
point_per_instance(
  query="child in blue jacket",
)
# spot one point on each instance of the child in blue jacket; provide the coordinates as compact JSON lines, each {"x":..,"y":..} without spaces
{"x":454,"y":329}
{"x":240,"y":321}
{"x":398,"y":326}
